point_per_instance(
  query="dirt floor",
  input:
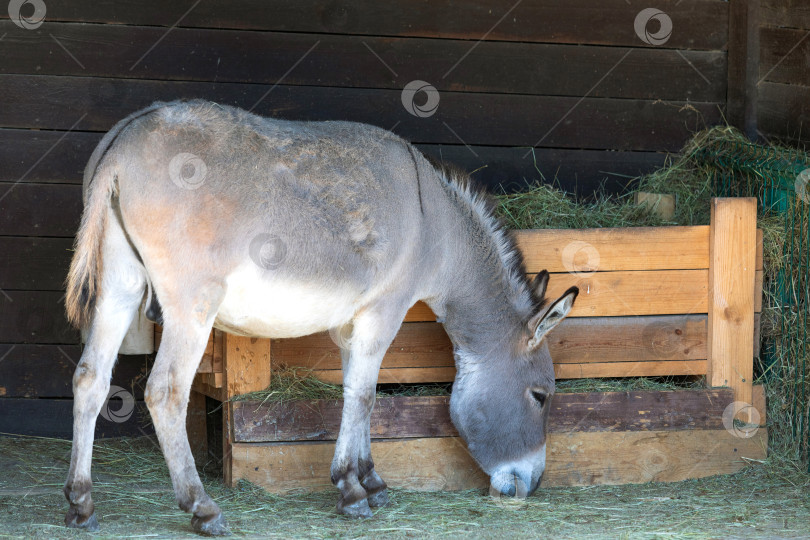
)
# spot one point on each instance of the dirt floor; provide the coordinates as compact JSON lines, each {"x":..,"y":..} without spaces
{"x":134,"y":500}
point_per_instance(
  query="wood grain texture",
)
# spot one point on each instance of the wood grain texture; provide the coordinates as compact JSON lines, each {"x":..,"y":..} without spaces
{"x":34,"y":263}
{"x":784,"y":111}
{"x":28,"y":209}
{"x":785,"y":55}
{"x":731,"y":300}
{"x":551,"y":21}
{"x":496,"y":167}
{"x":399,"y":417}
{"x":247,"y":368}
{"x":611,"y":249}
{"x":35,"y":317}
{"x":574,"y":459}
{"x":574,"y":341}
{"x":743,"y":65}
{"x":346,"y":61}
{"x":786,"y":13}
{"x":54,"y":418}
{"x":511,"y":120}
{"x":22,"y":368}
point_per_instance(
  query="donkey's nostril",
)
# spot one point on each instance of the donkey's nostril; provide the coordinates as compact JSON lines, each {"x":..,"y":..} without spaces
{"x":501,"y":485}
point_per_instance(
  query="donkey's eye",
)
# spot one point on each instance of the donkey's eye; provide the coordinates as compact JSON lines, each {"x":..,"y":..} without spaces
{"x":540,"y":397}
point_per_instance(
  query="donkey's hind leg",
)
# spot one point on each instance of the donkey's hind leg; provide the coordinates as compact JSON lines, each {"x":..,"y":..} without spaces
{"x":122,"y":292}
{"x":185,"y":334}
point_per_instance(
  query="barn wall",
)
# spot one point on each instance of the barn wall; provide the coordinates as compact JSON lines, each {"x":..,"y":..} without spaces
{"x":569,"y":78}
{"x":784,"y":82}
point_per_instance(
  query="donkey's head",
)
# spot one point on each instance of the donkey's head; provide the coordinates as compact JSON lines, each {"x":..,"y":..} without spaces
{"x":500,"y":402}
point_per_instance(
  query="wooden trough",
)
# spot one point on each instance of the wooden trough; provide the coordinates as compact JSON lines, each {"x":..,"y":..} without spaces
{"x":653,"y":302}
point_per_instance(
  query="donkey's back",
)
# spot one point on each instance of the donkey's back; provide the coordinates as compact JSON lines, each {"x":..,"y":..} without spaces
{"x":303,"y":223}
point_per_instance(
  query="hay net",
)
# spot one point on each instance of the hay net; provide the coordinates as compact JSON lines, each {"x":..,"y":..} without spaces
{"x":778,"y":177}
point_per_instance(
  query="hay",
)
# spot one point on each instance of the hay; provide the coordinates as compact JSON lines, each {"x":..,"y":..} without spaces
{"x":299,"y":383}
{"x":134,"y":499}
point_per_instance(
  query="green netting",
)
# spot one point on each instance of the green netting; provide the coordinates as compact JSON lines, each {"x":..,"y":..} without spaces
{"x":778,"y":178}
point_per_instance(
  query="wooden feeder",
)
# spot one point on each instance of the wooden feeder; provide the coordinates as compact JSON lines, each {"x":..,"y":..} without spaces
{"x":654,"y":301}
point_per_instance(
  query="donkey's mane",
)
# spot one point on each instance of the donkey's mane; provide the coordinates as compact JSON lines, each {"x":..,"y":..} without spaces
{"x":482,"y":207}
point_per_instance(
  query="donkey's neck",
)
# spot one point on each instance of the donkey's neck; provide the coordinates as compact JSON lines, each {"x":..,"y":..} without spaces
{"x":484,"y":295}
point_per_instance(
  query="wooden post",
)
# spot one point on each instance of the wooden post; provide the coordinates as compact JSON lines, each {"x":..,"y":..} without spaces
{"x":743,"y":65}
{"x":246,"y":368}
{"x":732,"y":282}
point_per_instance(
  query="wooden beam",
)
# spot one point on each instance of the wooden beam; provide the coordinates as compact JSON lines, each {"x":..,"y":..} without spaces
{"x":574,"y":459}
{"x":400,"y":417}
{"x":732,"y":281}
{"x":743,"y":65}
{"x":246,"y":364}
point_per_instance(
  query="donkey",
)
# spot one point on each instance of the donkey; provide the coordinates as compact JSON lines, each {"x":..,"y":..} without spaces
{"x":210,"y":216}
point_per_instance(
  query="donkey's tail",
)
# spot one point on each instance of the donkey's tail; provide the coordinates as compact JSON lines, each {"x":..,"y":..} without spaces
{"x":100,"y":175}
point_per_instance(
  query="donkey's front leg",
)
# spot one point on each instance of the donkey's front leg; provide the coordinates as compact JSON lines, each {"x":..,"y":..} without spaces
{"x":352,"y":467}
{"x":167,"y":392}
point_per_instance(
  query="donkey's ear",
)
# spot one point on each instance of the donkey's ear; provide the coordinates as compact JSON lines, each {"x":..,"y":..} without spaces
{"x":548,"y":318}
{"x":539,"y":284}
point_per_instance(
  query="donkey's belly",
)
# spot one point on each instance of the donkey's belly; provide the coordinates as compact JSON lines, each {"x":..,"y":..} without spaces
{"x":255,"y":307}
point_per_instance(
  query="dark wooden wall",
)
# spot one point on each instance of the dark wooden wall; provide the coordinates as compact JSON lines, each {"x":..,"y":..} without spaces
{"x":784,"y":81}
{"x":531,"y":90}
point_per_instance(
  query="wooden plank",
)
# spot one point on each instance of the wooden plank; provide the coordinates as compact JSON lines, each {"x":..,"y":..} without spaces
{"x":28,"y":209}
{"x":661,"y":292}
{"x":561,"y":371}
{"x":44,"y":156}
{"x":345,"y":61}
{"x":54,"y":418}
{"x":495,"y":167}
{"x":34,"y":263}
{"x":788,"y":13}
{"x":400,"y":417}
{"x":732,"y":286}
{"x":574,"y":459}
{"x":202,"y":384}
{"x":555,"y":21}
{"x":575,"y":341}
{"x":630,"y":369}
{"x":511,"y":120}
{"x":743,"y":65}
{"x":784,"y":55}
{"x":609,"y":249}
{"x":22,"y":368}
{"x":35,"y":317}
{"x":784,"y":111}
{"x":246,"y":364}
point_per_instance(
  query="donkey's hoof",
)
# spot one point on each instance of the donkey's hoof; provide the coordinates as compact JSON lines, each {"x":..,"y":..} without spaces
{"x":75,"y":521}
{"x":359,"y":509}
{"x":379,"y":499}
{"x":211,"y":526}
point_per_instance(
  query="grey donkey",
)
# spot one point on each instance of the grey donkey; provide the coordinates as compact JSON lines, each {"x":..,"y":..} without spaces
{"x":210,"y":216}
